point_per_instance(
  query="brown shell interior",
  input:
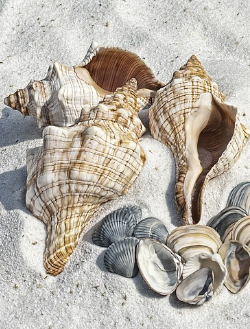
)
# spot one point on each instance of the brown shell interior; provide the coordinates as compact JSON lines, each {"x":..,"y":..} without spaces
{"x":113,"y":67}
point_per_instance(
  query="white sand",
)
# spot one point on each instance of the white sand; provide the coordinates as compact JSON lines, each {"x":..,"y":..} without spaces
{"x":164,"y":34}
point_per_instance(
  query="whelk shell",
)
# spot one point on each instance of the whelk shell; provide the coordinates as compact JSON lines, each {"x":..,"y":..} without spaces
{"x":120,"y":257}
{"x":60,"y":97}
{"x":190,"y":240}
{"x":204,"y":134}
{"x":77,"y":169}
{"x":160,"y":267}
{"x":117,"y":226}
{"x":151,"y":227}
{"x":236,"y":257}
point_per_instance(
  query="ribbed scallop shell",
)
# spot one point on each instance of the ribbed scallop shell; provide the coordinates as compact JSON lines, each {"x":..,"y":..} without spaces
{"x":151,"y":227}
{"x":120,"y":257}
{"x":76,"y":170}
{"x":117,"y":226}
{"x":188,"y":241}
{"x":204,"y":134}
{"x":160,"y":267}
{"x":236,"y":257}
{"x":59,"y":98}
{"x":240,"y":196}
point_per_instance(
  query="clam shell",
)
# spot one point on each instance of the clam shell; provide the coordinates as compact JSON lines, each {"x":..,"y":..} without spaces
{"x":159,"y":266}
{"x":75,"y":171}
{"x":197,"y":288}
{"x":120,"y":257}
{"x":236,"y":257}
{"x":225,"y":218}
{"x":61,"y":96}
{"x":151,"y":227}
{"x":241,"y":231}
{"x":204,"y":134}
{"x":190,"y":240}
{"x":240,"y":196}
{"x":117,"y":225}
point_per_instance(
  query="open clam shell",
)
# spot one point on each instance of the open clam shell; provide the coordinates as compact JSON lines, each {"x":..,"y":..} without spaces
{"x":190,"y":240}
{"x":117,"y":225}
{"x":197,"y":288}
{"x":120,"y":257}
{"x":225,"y":218}
{"x":236,"y":257}
{"x":205,"y":135}
{"x":240,"y":196}
{"x":159,"y":266}
{"x":151,"y":227}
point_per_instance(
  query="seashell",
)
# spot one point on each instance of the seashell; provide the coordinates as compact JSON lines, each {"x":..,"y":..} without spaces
{"x":117,"y":226}
{"x":203,"y":133}
{"x":236,"y":257}
{"x":197,"y":288}
{"x":240,"y":196}
{"x":188,"y":241}
{"x":241,"y":231}
{"x":76,"y":170}
{"x":225,"y":218}
{"x":60,"y":97}
{"x":159,"y":266}
{"x":120,"y":257}
{"x":151,"y":227}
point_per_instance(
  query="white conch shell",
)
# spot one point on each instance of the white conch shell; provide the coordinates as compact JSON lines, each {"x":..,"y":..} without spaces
{"x":204,"y":134}
{"x":59,"y":98}
{"x":77,"y":169}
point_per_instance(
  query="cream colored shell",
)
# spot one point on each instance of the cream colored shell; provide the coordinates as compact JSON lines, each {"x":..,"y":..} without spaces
{"x":77,"y":169}
{"x":204,"y":134}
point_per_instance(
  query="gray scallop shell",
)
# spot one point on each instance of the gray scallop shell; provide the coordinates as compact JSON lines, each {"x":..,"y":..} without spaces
{"x":120,"y":257}
{"x":151,"y":227}
{"x":117,"y":225}
{"x":225,"y":218}
{"x":240,"y":196}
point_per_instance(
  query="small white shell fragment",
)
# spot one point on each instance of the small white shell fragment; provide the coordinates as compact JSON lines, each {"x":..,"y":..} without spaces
{"x":159,"y":266}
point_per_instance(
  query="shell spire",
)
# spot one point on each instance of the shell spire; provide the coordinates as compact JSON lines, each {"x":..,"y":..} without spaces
{"x":189,"y":116}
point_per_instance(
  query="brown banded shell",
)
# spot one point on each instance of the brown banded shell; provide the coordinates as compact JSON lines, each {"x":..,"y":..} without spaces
{"x":61,"y":96}
{"x":190,"y":240}
{"x":189,"y":116}
{"x":76,"y":170}
{"x":236,"y":257}
{"x":160,"y":267}
{"x":241,"y":231}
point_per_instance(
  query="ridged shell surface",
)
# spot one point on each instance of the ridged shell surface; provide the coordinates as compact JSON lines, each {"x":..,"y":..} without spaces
{"x":59,"y":98}
{"x":117,"y":226}
{"x":241,"y":231}
{"x":76,"y":170}
{"x":189,"y":116}
{"x":240,"y":196}
{"x":120,"y":257}
{"x":153,"y":228}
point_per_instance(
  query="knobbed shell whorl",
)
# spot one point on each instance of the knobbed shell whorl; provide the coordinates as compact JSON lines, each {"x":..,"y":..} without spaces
{"x":59,"y":98}
{"x":77,"y":169}
{"x":204,"y":134}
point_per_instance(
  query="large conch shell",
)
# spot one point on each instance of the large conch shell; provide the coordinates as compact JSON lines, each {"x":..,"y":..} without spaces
{"x":204,"y":134}
{"x":78,"y":168}
{"x":59,"y":98}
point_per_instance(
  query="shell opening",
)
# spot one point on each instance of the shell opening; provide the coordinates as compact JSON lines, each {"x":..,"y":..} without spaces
{"x":207,"y":124}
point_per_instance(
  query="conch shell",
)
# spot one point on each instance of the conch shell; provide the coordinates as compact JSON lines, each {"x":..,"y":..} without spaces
{"x":78,"y":168}
{"x":204,"y":134}
{"x":59,"y":98}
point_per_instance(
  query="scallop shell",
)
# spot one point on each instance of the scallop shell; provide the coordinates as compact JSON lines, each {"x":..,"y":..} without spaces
{"x":120,"y":257}
{"x":60,"y":97}
{"x":197,"y":288}
{"x":159,"y":266}
{"x":117,"y":226}
{"x":240,"y":196}
{"x":236,"y":257}
{"x":204,"y":134}
{"x":188,"y":241}
{"x":76,"y":170}
{"x":225,"y":218}
{"x":151,"y":227}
